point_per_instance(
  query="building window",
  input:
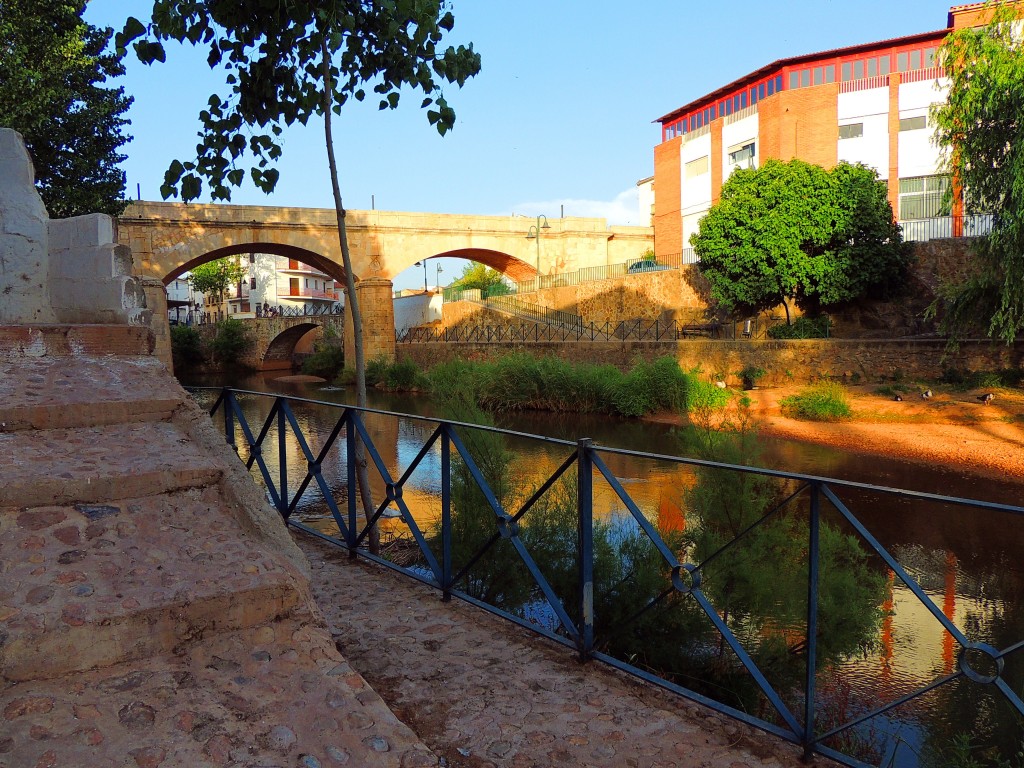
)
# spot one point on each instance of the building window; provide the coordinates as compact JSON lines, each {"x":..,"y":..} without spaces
{"x":713,"y":108}
{"x":883,"y":64}
{"x":794,"y":80}
{"x":760,"y":91}
{"x":915,"y":59}
{"x":851,"y":131}
{"x":929,"y":57}
{"x":778,"y":82}
{"x":753,"y":95}
{"x":743,"y":100}
{"x":252,"y":283}
{"x":858,"y":69}
{"x":696,"y":167}
{"x":913,"y":123}
{"x":901,"y":62}
{"x":805,"y":78}
{"x":847,"y":71}
{"x":830,"y":73}
{"x":771,"y":87}
{"x":742,"y":155}
{"x":819,"y":75}
{"x":923,"y":197}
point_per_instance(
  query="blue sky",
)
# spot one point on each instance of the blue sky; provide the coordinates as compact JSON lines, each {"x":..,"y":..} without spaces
{"x":560,"y":114}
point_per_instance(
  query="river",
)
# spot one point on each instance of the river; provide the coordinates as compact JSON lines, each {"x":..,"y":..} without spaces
{"x":970,"y":562}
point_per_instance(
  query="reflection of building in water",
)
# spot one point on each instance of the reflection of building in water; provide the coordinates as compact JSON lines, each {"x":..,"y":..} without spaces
{"x":914,"y":648}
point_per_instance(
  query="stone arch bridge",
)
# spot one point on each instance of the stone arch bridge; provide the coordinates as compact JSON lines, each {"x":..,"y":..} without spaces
{"x":168,"y":239}
{"x":274,"y":338}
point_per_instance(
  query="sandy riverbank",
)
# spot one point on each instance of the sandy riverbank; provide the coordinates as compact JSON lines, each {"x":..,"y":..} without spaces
{"x":953,"y":429}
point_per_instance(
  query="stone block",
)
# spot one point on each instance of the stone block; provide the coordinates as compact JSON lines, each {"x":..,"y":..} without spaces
{"x":24,"y":248}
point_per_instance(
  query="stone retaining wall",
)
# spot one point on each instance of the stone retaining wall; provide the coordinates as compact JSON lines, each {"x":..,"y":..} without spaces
{"x":784,"y":361}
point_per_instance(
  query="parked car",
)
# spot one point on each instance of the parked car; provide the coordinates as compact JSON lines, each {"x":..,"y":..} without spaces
{"x":646,"y":265}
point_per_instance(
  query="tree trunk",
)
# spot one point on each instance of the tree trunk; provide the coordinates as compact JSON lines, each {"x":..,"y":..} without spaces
{"x":362,"y":474}
{"x":785,"y":305}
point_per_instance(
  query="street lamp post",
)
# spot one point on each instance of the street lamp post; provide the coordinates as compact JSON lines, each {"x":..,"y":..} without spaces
{"x":439,"y":271}
{"x":534,"y":234}
{"x":424,"y":264}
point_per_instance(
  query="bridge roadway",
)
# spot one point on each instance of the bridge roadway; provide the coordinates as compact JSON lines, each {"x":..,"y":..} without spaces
{"x":480,"y":691}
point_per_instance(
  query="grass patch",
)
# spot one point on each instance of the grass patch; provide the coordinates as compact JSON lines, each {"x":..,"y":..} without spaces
{"x":325,"y":362}
{"x":820,"y":402}
{"x":523,"y":382}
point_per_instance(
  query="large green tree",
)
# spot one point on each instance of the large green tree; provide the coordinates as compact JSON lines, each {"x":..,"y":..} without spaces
{"x":286,"y":62}
{"x":981,"y":128}
{"x":792,"y":232}
{"x":53,"y":67}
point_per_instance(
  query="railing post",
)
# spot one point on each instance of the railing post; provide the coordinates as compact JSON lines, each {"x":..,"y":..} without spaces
{"x":350,"y":464}
{"x":446,"y":517}
{"x":585,"y":517}
{"x":812,"y":618}
{"x":229,"y":420}
{"x":282,"y":457}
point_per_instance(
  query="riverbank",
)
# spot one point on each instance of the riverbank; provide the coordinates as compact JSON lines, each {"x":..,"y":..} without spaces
{"x":950,"y":429}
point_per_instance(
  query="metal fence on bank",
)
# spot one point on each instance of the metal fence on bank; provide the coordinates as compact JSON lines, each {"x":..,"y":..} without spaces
{"x":753,"y":613}
{"x":922,"y":230}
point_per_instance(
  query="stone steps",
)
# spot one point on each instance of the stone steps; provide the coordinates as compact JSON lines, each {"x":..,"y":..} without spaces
{"x":98,"y":584}
{"x":48,"y":393}
{"x":94,"y":464}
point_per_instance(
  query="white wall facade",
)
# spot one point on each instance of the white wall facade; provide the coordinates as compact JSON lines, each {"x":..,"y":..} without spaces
{"x":742,"y":131}
{"x":918,"y":153}
{"x":695,"y":187}
{"x":869,"y":108}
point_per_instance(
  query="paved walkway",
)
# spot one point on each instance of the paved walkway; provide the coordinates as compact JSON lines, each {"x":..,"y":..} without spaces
{"x":481,"y":691}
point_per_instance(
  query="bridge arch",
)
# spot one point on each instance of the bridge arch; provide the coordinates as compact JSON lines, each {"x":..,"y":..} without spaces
{"x":313,"y":259}
{"x":515,"y":268}
{"x":281,"y":348}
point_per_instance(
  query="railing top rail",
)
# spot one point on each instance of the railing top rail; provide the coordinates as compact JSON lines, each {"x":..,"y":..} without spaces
{"x":762,"y":471}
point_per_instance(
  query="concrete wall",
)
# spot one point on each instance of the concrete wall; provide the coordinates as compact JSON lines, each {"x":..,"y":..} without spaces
{"x":784,"y":361}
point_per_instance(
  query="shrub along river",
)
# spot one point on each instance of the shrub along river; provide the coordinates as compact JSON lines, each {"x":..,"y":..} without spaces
{"x":969,"y":561}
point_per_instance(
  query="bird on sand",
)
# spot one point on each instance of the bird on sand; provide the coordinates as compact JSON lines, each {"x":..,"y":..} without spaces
{"x":987,"y":398}
{"x":926,"y":394}
{"x":898,"y":399}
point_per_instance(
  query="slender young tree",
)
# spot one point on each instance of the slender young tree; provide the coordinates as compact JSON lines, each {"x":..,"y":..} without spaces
{"x":981,"y":130}
{"x":53,"y":70}
{"x":288,"y":62}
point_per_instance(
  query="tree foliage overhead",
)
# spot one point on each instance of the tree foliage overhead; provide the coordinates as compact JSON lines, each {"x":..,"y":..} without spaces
{"x":273,"y":54}
{"x":216,"y":277}
{"x":794,"y":232}
{"x":53,"y":66}
{"x":981,"y":130}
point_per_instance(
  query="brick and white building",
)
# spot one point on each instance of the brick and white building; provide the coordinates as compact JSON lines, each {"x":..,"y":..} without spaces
{"x":866,"y":103}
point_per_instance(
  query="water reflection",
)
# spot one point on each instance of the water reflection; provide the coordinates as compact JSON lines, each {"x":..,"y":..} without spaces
{"x":969,"y":565}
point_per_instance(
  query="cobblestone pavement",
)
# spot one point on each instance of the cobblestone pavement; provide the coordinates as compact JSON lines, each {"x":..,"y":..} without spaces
{"x":484,"y":692}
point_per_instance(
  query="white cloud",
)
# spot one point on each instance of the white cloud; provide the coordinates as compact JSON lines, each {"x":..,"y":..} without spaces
{"x":623,"y":210}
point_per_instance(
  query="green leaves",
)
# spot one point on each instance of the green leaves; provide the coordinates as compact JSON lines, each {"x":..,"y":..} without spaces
{"x":274,"y":77}
{"x":796,"y":232}
{"x":982,"y":135}
{"x":54,"y":69}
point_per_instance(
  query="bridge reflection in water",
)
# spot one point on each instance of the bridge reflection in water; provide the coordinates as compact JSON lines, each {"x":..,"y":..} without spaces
{"x":793,"y":616}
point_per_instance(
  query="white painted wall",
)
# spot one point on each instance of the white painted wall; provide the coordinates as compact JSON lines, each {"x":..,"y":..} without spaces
{"x":417,"y":309}
{"x":696,"y":192}
{"x":871,"y":108}
{"x":740,"y":132}
{"x":918,"y":154}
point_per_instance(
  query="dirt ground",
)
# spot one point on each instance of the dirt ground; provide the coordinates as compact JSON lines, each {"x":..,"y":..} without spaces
{"x":951,"y":428}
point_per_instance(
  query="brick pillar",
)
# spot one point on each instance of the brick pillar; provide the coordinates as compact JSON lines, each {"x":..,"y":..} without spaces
{"x":894,"y":143}
{"x":156,"y":302}
{"x":376,"y":303}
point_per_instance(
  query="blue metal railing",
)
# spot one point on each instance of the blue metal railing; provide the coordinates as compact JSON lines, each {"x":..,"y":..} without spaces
{"x":687,"y":579}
